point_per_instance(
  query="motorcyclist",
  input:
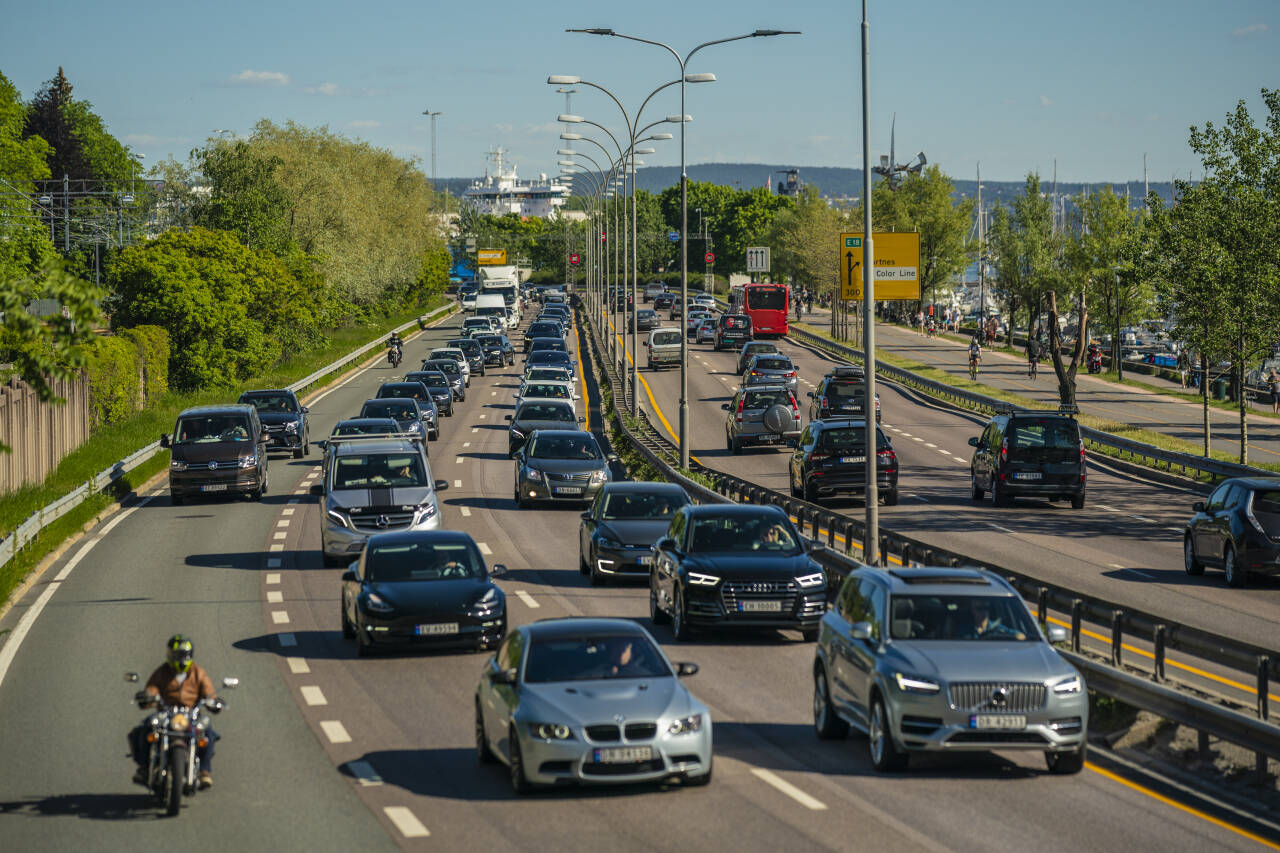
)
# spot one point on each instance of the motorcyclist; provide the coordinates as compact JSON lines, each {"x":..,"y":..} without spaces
{"x":177,"y":681}
{"x":396,"y":348}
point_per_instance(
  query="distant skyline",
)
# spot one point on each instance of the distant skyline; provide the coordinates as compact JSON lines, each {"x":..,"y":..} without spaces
{"x":1013,"y":85}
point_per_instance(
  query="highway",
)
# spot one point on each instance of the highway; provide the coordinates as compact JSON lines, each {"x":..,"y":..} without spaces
{"x":323,"y":751}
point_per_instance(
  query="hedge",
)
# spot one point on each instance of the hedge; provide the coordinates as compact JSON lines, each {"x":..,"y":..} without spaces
{"x":114,"y":383}
{"x":153,"y":354}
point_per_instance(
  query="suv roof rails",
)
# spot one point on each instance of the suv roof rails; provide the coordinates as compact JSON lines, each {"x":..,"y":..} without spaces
{"x":940,"y":576}
{"x":847,"y":370}
{"x":382,"y":436}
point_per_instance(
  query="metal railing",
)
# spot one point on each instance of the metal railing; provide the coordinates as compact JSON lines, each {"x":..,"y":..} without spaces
{"x":30,"y":528}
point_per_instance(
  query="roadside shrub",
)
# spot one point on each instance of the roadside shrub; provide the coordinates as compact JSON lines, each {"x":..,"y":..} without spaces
{"x":114,"y":386}
{"x":153,"y":356}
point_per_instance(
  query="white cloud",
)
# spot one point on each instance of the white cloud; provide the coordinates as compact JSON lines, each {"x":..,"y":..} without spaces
{"x":261,"y":78}
{"x":373,"y":93}
{"x":364,"y":122}
{"x":1250,"y":30}
{"x":1045,"y":101}
{"x":323,"y":89}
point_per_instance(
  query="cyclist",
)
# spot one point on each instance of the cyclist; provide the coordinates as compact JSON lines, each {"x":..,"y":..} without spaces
{"x":975,"y":356}
{"x":1033,"y":356}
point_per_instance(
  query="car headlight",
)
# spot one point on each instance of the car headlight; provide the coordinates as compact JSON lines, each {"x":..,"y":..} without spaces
{"x":517,"y":433}
{"x":915,"y":684}
{"x":486,"y":604}
{"x":550,"y":731}
{"x":249,"y":462}
{"x":416,"y":426}
{"x":291,"y":426}
{"x":610,"y":543}
{"x":376,"y":603}
{"x":598,"y":477}
{"x":698,"y":579}
{"x":533,"y":475}
{"x":685,"y":725}
{"x":338,"y":519}
{"x":1068,"y":686}
{"x":811,"y":581}
{"x":422,"y":512}
{"x":177,"y":466}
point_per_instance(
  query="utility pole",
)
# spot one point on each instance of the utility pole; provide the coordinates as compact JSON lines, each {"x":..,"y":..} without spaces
{"x":871,"y":535}
{"x":66,"y":214}
{"x":982,"y":262}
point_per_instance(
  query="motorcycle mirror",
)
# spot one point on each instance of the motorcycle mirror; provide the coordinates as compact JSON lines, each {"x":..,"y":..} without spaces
{"x":230,"y":683}
{"x":131,"y":676}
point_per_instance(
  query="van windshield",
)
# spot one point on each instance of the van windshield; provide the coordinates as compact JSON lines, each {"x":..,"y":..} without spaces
{"x":668,"y":338}
{"x":206,"y":430}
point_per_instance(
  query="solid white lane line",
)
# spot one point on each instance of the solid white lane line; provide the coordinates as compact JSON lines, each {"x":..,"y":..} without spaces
{"x":527,"y":599}
{"x":787,"y":788}
{"x":79,"y":555}
{"x":335,"y":731}
{"x":287,"y":511}
{"x":457,"y":484}
{"x":275,"y":596}
{"x":288,"y":640}
{"x":298,"y":666}
{"x":276,"y":548}
{"x":110,"y":525}
{"x":280,"y":617}
{"x":273,"y":577}
{"x":10,"y":648}
{"x":484,"y":548}
{"x":364,"y":773}
{"x":409,"y":826}
{"x":273,"y":562}
{"x":312,"y":695}
{"x":466,"y":513}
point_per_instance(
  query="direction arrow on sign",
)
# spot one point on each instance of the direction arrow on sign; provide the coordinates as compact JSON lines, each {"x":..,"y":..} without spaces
{"x":896,"y":273}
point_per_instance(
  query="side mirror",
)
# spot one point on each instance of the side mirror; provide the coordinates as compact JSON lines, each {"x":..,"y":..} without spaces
{"x":816,"y":546}
{"x":506,"y":417}
{"x":582,"y":420}
{"x":231,"y":683}
{"x":349,"y":576}
{"x":317,"y":489}
{"x":685,"y":667}
{"x":725,"y":406}
{"x":809,"y":395}
{"x":1198,"y":506}
{"x":1057,"y":634}
{"x":503,"y":676}
{"x":498,"y":570}
{"x":441,"y":485}
{"x":164,"y":440}
{"x":860,"y":631}
{"x":586,"y":516}
{"x":131,"y":677}
{"x":612,"y":457}
{"x":975,"y":441}
{"x":666,"y":543}
{"x":305,"y":409}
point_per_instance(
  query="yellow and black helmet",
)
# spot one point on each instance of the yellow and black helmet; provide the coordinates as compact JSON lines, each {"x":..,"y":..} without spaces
{"x":179,"y":652}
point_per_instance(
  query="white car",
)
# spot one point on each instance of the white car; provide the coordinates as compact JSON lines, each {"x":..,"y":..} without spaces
{"x":469,"y":301}
{"x":543,"y":390}
{"x":458,"y":356}
{"x":704,"y":300}
{"x":512,"y":319}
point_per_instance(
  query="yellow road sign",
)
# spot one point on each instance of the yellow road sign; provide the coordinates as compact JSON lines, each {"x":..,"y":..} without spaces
{"x":897,"y":266}
{"x":491,"y":257}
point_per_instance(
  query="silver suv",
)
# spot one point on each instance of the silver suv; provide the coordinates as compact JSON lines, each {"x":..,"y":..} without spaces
{"x":374,"y":485}
{"x":761,"y":415}
{"x":945,"y":660}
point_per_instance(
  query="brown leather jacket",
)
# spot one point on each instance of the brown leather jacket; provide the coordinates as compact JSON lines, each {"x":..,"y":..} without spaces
{"x":197,"y":685}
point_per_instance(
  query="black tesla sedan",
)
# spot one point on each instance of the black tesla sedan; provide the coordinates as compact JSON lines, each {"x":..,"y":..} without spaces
{"x":625,"y":519}
{"x":422,"y":588}
{"x":1236,"y":529}
{"x":727,"y":565}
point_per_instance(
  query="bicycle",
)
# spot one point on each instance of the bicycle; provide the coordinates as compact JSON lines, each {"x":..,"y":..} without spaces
{"x":1032,"y":366}
{"x":973,"y":369}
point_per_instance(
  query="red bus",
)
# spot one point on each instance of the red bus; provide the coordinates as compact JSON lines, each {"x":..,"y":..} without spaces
{"x":767,"y":305}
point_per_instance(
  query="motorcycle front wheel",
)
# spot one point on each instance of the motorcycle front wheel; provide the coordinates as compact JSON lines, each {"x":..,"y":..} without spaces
{"x":174,"y":780}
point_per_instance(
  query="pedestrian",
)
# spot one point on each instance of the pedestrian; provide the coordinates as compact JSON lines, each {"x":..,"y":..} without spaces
{"x":920,"y":323}
{"x":1273,"y":379}
{"x":808,"y":300}
{"x":1184,"y":367}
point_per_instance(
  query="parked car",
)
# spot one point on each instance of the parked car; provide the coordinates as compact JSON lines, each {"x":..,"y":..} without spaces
{"x":751,"y":349}
{"x":761,"y":415}
{"x":618,"y":531}
{"x":1236,"y":529}
{"x":560,"y":465}
{"x":216,"y":449}
{"x":732,"y":331}
{"x":831,"y":457}
{"x":945,"y":660}
{"x":283,"y":419}
{"x":840,"y":394}
{"x":1029,"y":454}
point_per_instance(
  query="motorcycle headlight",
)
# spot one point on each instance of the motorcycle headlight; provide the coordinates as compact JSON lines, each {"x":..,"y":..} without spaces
{"x":249,"y":462}
{"x":811,"y":581}
{"x":179,"y":722}
{"x":699,"y":579}
{"x":915,"y":684}
{"x":686,"y":725}
{"x":550,"y":731}
{"x":376,"y":603}
{"x":175,"y":465}
{"x":533,"y":475}
{"x":291,"y":426}
{"x":338,"y":518}
{"x":1068,"y":686}
{"x":598,"y":477}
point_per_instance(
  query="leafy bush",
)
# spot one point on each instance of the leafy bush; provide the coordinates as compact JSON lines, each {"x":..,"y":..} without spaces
{"x":114,"y":381}
{"x":153,"y":357}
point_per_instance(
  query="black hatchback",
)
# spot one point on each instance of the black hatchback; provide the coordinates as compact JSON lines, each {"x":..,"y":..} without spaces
{"x":1237,"y":529}
{"x":1029,"y":454}
{"x":831,"y":457}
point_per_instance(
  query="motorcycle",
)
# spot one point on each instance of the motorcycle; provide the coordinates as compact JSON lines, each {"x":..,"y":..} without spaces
{"x":394,"y":355}
{"x":1094,"y":361}
{"x":173,"y":734}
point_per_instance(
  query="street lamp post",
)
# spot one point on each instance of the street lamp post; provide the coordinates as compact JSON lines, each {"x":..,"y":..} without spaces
{"x":434,"y":187}
{"x":871,"y":536}
{"x":683,"y":62}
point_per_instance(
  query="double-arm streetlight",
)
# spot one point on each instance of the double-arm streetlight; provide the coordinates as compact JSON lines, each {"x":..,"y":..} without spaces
{"x":683,"y":62}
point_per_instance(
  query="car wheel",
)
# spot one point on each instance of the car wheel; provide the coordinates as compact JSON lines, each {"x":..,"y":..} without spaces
{"x":657,"y":615}
{"x":484,"y":755}
{"x":519,"y":782}
{"x":1190,"y":564}
{"x":1231,"y":569}
{"x":520,"y":501}
{"x":261,"y":491}
{"x":997,"y":497}
{"x":1066,"y":763}
{"x":826,"y":722}
{"x":809,"y":635}
{"x":582,"y":564}
{"x":364,"y":648}
{"x":735,"y":445}
{"x":977,"y":490}
{"x":1077,"y":501}
{"x":791,"y":484}
{"x":891,"y":497}
{"x":597,"y":579}
{"x":298,"y":453}
{"x":704,"y":779}
{"x":885,"y":755}
{"x":810,"y":493}
{"x":680,"y":619}
{"x":176,"y":499}
{"x":348,"y":631}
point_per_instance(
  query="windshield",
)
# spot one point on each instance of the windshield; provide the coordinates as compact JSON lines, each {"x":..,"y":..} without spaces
{"x":467,"y":345}
{"x":667,"y":338}
{"x":545,"y":412}
{"x":548,"y":356}
{"x":381,"y":426}
{"x":490,"y":341}
{"x":1056,"y":433}
{"x":849,"y":439}
{"x":539,"y":330}
{"x":547,"y":373}
{"x":546,"y":389}
{"x":759,"y":349}
{"x":407,"y":390}
{"x":642,"y":506}
{"x":435,"y":380}
{"x":767,"y":298}
{"x":591,"y":658}
{"x":421,"y":561}
{"x":552,"y":344}
{"x":380,"y":470}
{"x":739,"y":533}
{"x":564,"y":447}
{"x":1266,"y":509}
{"x":960,"y":617}
{"x":205,"y":430}
{"x":446,"y":354}
{"x":391,"y":408}
{"x":270,"y":402}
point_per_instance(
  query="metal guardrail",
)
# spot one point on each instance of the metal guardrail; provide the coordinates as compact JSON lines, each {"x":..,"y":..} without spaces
{"x":48,"y":514}
{"x":1155,"y":692}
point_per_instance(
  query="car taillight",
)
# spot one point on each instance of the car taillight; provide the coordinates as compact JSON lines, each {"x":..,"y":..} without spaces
{"x":1082,"y":460}
{"x":822,"y":402}
{"x":755,"y":373}
{"x":887,"y":458}
{"x":795,"y":408}
{"x":790,"y":373}
{"x":740,"y":401}
{"x":1004,"y":450}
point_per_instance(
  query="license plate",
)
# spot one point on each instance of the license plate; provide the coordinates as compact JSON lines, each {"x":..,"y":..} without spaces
{"x":436,"y":630}
{"x":645,"y":561}
{"x":771,"y":438}
{"x":622,"y":755}
{"x":759,"y":606}
{"x":567,"y":490}
{"x":1025,"y":476}
{"x":997,"y":721}
{"x":850,"y":460}
{"x":217,"y":487}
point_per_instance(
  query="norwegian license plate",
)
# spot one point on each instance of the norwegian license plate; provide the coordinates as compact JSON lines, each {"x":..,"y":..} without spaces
{"x":567,"y":490}
{"x":622,"y":755}
{"x":645,"y":561}
{"x":997,"y":721}
{"x":770,"y":438}
{"x":436,"y":630}
{"x":759,"y":606}
{"x":1027,"y":476}
{"x":850,"y":460}
{"x":216,"y":487}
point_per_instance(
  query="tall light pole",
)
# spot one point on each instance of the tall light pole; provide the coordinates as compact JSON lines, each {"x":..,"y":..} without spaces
{"x":683,"y":62}
{"x":432,"y":116}
{"x":871,"y":535}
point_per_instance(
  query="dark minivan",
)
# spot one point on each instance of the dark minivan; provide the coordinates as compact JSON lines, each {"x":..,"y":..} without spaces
{"x":1029,"y":454}
{"x":216,"y":449}
{"x":732,"y":331}
{"x":1236,"y":529}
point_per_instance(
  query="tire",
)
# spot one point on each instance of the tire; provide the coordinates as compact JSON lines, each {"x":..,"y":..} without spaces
{"x":891,"y":498}
{"x":791,"y":484}
{"x":1234,"y":574}
{"x":520,"y":501}
{"x":348,"y":630}
{"x":826,"y":722}
{"x":176,"y":500}
{"x":364,"y":648}
{"x":885,"y":755}
{"x":306,"y":445}
{"x":680,"y":629}
{"x":582,"y":564}
{"x":657,"y":615}
{"x":1066,"y":763}
{"x":258,"y":493}
{"x":484,"y":755}
{"x":997,"y":499}
{"x":173,"y":782}
{"x":519,"y":782}
{"x":735,"y":446}
{"x":1077,"y":501}
{"x":699,"y":781}
{"x":810,"y":493}
{"x":298,"y":453}
{"x":1190,"y":564}
{"x":977,"y":491}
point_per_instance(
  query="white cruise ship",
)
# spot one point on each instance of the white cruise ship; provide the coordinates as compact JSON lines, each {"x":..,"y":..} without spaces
{"x":503,"y":192}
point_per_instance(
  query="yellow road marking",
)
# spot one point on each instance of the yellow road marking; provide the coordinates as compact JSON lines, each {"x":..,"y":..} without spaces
{"x":586,"y":403}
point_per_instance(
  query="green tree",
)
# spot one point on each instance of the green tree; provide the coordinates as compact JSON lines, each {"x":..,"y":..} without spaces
{"x":1026,"y":252}
{"x":924,"y":203}
{"x":805,"y":239}
{"x":48,"y":118}
{"x":244,"y":197}
{"x":25,"y":246}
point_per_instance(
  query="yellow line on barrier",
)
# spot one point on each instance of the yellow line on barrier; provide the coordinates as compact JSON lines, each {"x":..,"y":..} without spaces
{"x":586,"y":403}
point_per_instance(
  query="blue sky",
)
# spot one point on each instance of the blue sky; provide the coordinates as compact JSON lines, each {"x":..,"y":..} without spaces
{"x":1011,"y":84}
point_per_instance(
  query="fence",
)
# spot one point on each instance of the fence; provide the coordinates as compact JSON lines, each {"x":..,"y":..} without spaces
{"x":39,"y":433}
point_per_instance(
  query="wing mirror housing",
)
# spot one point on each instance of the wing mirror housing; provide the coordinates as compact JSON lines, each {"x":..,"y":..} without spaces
{"x":498,"y":570}
{"x":503,"y":676}
{"x":860,"y":631}
{"x":685,"y":667}
{"x":974,"y":441}
{"x":441,"y":485}
{"x":1198,"y":506}
{"x":349,"y":576}
{"x":612,"y":457}
{"x":165,"y":441}
{"x":317,"y":489}
{"x":1057,"y":634}
{"x":724,"y":406}
{"x":506,"y":417}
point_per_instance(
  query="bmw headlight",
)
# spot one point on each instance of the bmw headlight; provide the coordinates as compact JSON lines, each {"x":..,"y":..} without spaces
{"x":686,"y":725}
{"x":291,"y":426}
{"x":376,"y":603}
{"x":338,"y":518}
{"x":915,"y":684}
{"x":698,"y":579}
{"x":550,"y":731}
{"x":517,"y":433}
{"x":249,"y":462}
{"x":598,"y":477}
{"x":1068,"y":686}
{"x":810,"y":581}
{"x":533,"y":475}
{"x":177,"y":466}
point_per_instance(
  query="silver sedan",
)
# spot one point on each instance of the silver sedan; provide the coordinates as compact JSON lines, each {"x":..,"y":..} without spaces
{"x":590,"y":701}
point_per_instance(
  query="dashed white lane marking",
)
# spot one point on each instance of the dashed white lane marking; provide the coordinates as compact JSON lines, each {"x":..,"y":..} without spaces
{"x":280,"y":617}
{"x":930,"y":444}
{"x":907,"y":435}
{"x":475,"y":430}
{"x":944,"y":452}
{"x":312,"y":695}
{"x":335,"y":731}
{"x":493,"y":393}
{"x":275,"y":596}
{"x":1115,"y":565}
{"x":273,"y":562}
{"x":273,"y":577}
{"x":287,"y":511}
{"x":787,"y":788}
{"x":457,"y":484}
{"x":277,"y":548}
{"x":1106,"y":508}
{"x":364,"y":773}
{"x":466,"y":512}
{"x":915,"y":438}
{"x":482,"y":417}
{"x":282,"y":534}
{"x":484,"y":548}
{"x":527,"y":599}
{"x":466,"y":444}
{"x":409,"y":826}
{"x":287,"y":640}
{"x":1001,"y":529}
{"x":461,"y":459}
{"x":301,"y":491}
{"x":1141,"y":518}
{"x":298,"y":666}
